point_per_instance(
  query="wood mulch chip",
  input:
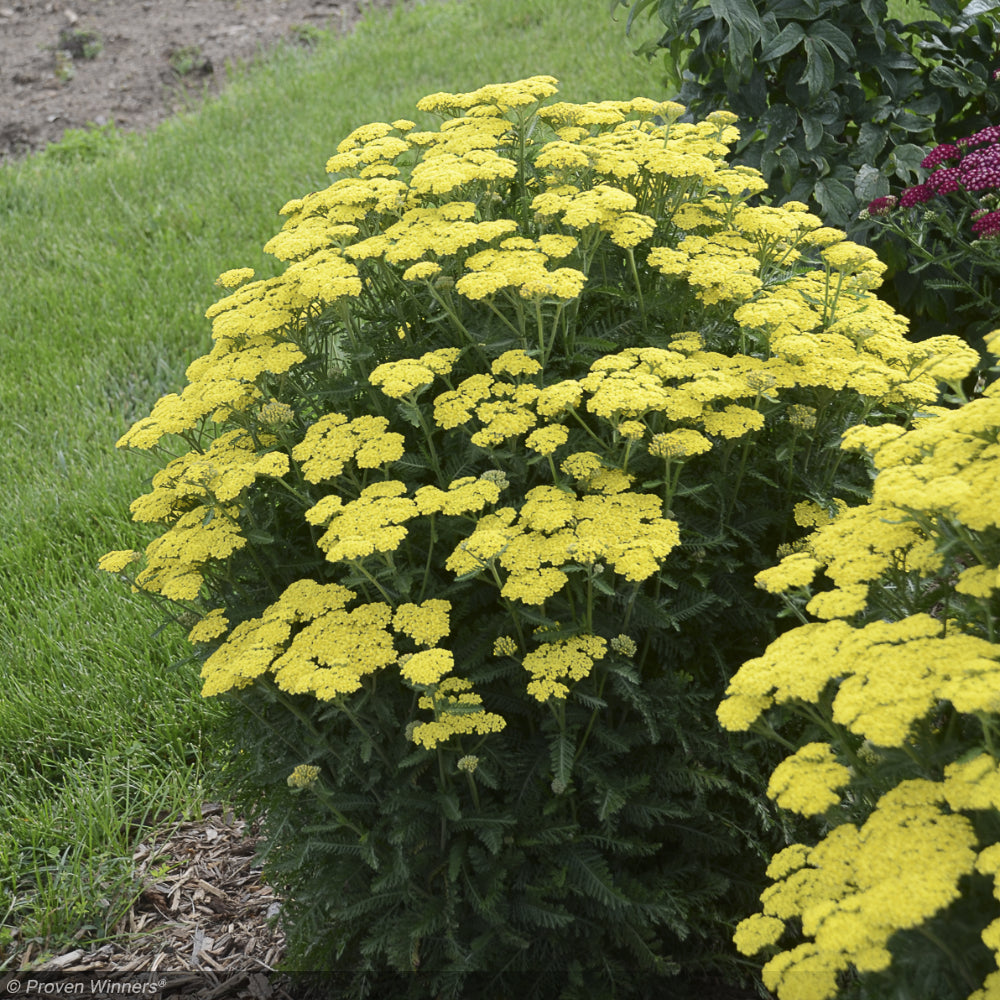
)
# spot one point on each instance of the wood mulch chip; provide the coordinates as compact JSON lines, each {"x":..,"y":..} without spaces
{"x":204,"y":919}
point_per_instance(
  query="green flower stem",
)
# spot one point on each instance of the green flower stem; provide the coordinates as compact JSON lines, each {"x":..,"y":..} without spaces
{"x":835,"y":735}
{"x":740,"y":472}
{"x":517,"y":331}
{"x":638,"y":288}
{"x":288,"y":702}
{"x":790,"y":464}
{"x":543,"y":350}
{"x":987,"y":723}
{"x":572,"y":603}
{"x":764,"y":727}
{"x":648,"y":638}
{"x":984,"y":605}
{"x":581,"y":422}
{"x":353,"y":719}
{"x":347,"y":318}
{"x":429,"y":437}
{"x":511,"y":610}
{"x":427,"y":562}
{"x":558,"y":322}
{"x":628,"y":453}
{"x":969,"y":539}
{"x":459,"y":326}
{"x":672,"y":469}
{"x":631,"y":604}
{"x":306,"y":501}
{"x":323,"y":794}
{"x":593,"y":718}
{"x":252,"y":550}
{"x":568,"y":313}
{"x":521,"y":128}
{"x":830,"y":305}
{"x":359,"y":565}
{"x":443,"y":782}
{"x":474,"y":789}
{"x":955,"y":960}
{"x":590,"y":599}
{"x":795,"y":608}
{"x":935,"y":257}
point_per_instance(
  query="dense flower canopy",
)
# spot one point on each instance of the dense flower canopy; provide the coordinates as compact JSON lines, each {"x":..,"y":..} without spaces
{"x":484,"y":219}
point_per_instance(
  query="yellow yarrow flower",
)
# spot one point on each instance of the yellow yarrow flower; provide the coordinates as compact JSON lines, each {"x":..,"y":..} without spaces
{"x":210,"y":627}
{"x":515,"y":362}
{"x":860,"y":886}
{"x":372,"y":523}
{"x":398,"y":379}
{"x":426,"y":623}
{"x":457,"y":711}
{"x":235,"y":277}
{"x":303,"y":776}
{"x":428,"y":666}
{"x":546,"y":439}
{"x":808,"y":780}
{"x":115,"y":562}
{"x":840,"y":603}
{"x":795,"y":570}
{"x":505,"y":645}
{"x":421,"y":271}
{"x":679,"y":444}
{"x":563,"y":660}
{"x":331,"y":442}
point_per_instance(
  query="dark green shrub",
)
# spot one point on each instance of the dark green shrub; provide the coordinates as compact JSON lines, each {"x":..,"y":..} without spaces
{"x":834,"y":99}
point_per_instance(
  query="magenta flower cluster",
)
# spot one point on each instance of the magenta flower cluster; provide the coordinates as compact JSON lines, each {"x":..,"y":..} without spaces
{"x":971,"y":164}
{"x":987,"y":224}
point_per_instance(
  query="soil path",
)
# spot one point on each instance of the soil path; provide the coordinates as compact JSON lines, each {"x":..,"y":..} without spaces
{"x":68,"y":64}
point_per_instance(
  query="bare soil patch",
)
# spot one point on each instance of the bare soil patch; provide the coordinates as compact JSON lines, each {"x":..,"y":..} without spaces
{"x":68,"y":64}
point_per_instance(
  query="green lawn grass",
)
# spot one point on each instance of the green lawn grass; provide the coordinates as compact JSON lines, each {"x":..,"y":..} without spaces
{"x":111,"y":246}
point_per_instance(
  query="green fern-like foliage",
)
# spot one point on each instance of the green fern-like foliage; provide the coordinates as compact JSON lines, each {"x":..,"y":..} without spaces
{"x":477,"y":493}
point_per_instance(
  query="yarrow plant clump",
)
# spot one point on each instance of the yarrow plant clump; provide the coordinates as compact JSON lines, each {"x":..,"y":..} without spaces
{"x":471,"y":504}
{"x":900,"y":678}
{"x":942,"y":236}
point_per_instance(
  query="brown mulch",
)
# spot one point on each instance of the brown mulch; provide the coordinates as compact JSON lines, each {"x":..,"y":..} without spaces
{"x":204,"y":911}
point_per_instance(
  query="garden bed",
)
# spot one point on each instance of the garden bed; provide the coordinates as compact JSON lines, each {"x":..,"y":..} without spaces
{"x":133,"y":62}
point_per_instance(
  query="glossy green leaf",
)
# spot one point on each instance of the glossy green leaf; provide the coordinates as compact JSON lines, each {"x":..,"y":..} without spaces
{"x":871,"y":141}
{"x":813,"y":130}
{"x":870,"y":184}
{"x":786,"y":40}
{"x":836,"y":200}
{"x":745,"y":31}
{"x":963,"y":81}
{"x":819,"y":72}
{"x":836,"y":39}
{"x":907,"y":158}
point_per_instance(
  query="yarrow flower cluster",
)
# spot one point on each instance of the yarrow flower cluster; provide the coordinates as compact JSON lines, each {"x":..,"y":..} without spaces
{"x":304,"y":776}
{"x":972,"y":164}
{"x":949,"y":224}
{"x":921,"y":688}
{"x":599,"y":180}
